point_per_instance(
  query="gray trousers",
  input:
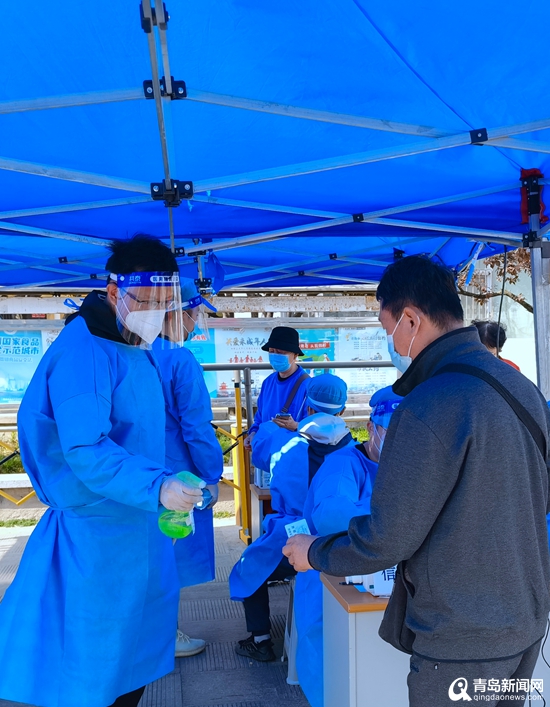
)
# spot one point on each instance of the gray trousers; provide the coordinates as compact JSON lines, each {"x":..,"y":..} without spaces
{"x":429,"y":681}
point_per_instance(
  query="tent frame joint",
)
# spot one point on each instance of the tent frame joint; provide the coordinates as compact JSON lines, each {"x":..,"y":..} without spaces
{"x":479,"y":136}
{"x":147,"y":23}
{"x":357,"y":218}
{"x":172,"y":197}
{"x":179,"y":89}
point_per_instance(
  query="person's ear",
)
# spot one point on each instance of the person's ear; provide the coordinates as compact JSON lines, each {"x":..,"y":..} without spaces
{"x":112,"y":294}
{"x":370,"y":428}
{"x":411,"y":319}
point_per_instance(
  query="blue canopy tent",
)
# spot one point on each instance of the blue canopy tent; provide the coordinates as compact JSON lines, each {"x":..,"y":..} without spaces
{"x":301,"y":143}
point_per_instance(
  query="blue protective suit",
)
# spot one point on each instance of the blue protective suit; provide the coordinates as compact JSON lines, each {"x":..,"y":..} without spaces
{"x":92,"y":611}
{"x":275,"y":390}
{"x":191,"y":445}
{"x":341,"y":490}
{"x":287,"y":455}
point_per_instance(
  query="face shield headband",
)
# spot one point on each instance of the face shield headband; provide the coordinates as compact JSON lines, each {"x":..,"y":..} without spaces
{"x":148,"y":305}
{"x":195,"y":317}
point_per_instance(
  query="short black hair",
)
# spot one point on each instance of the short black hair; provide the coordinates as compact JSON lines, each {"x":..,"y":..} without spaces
{"x":418,"y":281}
{"x":490,"y":332}
{"x":141,"y":252}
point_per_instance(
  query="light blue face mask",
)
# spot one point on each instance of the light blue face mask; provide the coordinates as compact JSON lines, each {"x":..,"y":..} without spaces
{"x":279,"y":362}
{"x":399,"y":361}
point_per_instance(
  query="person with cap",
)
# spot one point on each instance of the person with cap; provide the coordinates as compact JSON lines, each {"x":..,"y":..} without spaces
{"x":340,"y":491}
{"x":293,"y":459}
{"x":283,"y":393}
{"x":191,"y":445}
{"x":91,"y":615}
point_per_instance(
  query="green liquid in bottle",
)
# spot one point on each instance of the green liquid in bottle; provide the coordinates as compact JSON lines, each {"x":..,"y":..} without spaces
{"x":176,"y":524}
{"x":179,"y":524}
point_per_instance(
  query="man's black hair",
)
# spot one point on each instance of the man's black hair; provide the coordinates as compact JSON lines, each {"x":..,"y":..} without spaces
{"x":418,"y":281}
{"x":140,"y":253}
{"x":489,"y":333}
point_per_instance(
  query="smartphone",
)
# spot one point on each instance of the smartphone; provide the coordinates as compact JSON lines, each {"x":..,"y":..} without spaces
{"x":284,"y":415}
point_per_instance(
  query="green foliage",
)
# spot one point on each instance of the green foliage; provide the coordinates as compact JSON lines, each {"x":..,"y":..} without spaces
{"x":14,"y":465}
{"x":359,"y":434}
{"x":18,"y":523}
{"x":223,"y":514}
{"x":225,"y":443}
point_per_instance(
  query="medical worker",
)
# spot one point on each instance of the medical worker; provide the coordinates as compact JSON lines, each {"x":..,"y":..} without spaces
{"x":191,"y":445}
{"x":283,"y":393}
{"x":341,"y":490}
{"x":91,"y":615}
{"x":293,"y":459}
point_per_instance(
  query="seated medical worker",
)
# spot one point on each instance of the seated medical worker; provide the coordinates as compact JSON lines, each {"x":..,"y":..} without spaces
{"x":293,"y":459}
{"x":191,"y":445}
{"x":91,"y":615}
{"x":283,"y":393}
{"x":341,"y":490}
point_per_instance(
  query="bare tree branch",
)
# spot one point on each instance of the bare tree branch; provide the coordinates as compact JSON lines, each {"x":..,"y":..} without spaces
{"x":483,"y":296}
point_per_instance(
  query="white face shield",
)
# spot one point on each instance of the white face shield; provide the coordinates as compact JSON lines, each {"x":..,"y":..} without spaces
{"x":148,"y":304}
{"x":195,"y":317}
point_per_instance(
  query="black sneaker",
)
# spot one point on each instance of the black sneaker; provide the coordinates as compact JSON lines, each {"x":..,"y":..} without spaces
{"x":262,"y":651}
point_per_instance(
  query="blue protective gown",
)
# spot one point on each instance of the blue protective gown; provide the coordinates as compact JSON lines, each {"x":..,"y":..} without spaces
{"x":341,"y":490}
{"x":285,"y":454}
{"x":272,"y":398}
{"x":191,"y":445}
{"x":92,"y":611}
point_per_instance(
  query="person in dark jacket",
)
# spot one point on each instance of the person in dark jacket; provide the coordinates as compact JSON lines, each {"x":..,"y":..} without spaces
{"x":460,"y":499}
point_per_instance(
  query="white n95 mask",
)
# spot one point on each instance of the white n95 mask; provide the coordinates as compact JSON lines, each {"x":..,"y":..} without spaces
{"x":147,"y":324}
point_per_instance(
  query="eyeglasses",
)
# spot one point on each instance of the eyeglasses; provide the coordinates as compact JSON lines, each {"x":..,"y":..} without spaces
{"x":168,"y":305}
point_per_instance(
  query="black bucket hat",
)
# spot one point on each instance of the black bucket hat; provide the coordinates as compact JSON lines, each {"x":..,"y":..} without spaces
{"x":284,"y":338}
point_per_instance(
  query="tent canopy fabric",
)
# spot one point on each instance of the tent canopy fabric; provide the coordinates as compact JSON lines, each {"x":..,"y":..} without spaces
{"x":299,"y":115}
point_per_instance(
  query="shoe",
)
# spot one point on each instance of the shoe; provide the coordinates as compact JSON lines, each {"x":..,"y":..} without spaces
{"x":262,"y":651}
{"x":186,"y":646}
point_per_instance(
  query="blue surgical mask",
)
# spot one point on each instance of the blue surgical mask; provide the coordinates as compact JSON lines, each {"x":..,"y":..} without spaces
{"x":399,"y":361}
{"x":279,"y":362}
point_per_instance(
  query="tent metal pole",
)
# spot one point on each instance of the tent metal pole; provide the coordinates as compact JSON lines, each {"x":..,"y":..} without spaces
{"x":148,"y":14}
{"x":527,"y":145}
{"x":84,"y":276}
{"x":540,"y":274}
{"x":288,"y":267}
{"x":323,"y":116}
{"x":439,"y":247}
{"x":164,"y":122}
{"x":447,"y":229}
{"x":44,"y":262}
{"x":47,"y":233}
{"x":73,"y":175}
{"x":416,"y":148}
{"x":266,"y":237}
{"x":65,"y":208}
{"x":330,"y":223}
{"x":336,"y":214}
{"x":16,"y":265}
{"x":315,"y":271}
{"x":72,"y":100}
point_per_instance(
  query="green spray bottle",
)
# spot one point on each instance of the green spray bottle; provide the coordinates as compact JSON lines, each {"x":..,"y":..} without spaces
{"x":181,"y":524}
